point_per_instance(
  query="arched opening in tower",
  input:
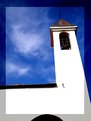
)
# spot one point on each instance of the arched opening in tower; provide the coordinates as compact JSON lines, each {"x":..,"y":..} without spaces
{"x":64,"y":41}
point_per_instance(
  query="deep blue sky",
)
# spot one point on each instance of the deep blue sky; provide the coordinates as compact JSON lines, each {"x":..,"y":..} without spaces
{"x":29,"y":57}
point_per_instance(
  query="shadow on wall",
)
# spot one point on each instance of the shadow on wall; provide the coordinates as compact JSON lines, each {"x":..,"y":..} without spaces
{"x":47,"y":117}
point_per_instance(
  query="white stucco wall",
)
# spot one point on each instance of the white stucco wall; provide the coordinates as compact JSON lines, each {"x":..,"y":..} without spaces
{"x":69,"y":71}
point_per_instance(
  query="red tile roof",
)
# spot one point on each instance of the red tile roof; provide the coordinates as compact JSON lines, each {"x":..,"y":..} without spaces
{"x":62,"y":22}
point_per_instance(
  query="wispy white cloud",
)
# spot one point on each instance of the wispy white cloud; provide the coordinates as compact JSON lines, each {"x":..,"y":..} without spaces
{"x":12,"y":68}
{"x":28,"y":32}
{"x":46,"y":71}
{"x":27,"y":15}
{"x":28,"y":29}
{"x":25,"y":43}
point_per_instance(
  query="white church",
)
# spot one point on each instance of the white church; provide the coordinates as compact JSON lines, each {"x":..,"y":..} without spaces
{"x":68,"y":96}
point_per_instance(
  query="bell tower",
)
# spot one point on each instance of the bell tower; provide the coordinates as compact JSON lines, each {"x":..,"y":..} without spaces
{"x":68,"y":65}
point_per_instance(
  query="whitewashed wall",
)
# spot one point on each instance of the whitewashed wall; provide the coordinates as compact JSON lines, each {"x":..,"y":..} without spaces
{"x":69,"y":72}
